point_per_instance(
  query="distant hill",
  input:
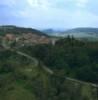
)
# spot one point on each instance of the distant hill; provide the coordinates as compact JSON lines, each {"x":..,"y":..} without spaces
{"x":48,"y":31}
{"x":23,"y":35}
{"x":77,"y":32}
{"x":18,"y":30}
{"x":53,"y":32}
{"x":83,"y":30}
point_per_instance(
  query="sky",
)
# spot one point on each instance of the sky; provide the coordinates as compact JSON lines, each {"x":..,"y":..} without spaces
{"x":61,"y":14}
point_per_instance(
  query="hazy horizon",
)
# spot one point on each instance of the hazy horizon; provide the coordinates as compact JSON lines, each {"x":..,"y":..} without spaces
{"x":44,"y":14}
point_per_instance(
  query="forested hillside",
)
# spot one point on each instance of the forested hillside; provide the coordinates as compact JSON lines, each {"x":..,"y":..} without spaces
{"x":58,"y":74}
{"x":20,"y":79}
{"x":77,"y":59}
{"x":18,"y":30}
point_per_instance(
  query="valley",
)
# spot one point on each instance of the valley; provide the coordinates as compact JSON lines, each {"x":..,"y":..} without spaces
{"x":36,"y":66}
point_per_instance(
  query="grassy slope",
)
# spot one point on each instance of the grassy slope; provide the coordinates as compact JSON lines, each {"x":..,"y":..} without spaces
{"x":33,"y":83}
{"x":39,"y":85}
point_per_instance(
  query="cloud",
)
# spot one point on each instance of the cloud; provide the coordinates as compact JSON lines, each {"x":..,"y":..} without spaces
{"x":81,"y":3}
{"x":47,"y":13}
{"x":7,"y":3}
{"x":84,"y":19}
{"x":39,"y":3}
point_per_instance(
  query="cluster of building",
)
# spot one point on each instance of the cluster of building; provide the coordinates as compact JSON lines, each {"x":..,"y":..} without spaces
{"x":28,"y":39}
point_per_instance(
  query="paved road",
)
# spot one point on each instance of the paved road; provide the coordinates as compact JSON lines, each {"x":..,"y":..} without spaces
{"x":46,"y":68}
{"x":35,"y":61}
{"x":78,"y":81}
